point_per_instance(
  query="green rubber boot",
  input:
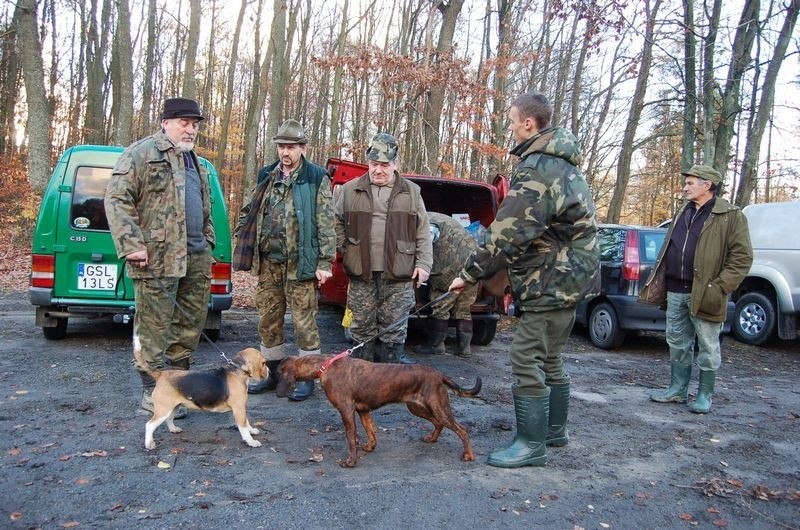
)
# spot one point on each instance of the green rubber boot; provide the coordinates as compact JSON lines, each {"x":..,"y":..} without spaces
{"x":436,"y":338}
{"x":557,"y":419}
{"x":702,"y":403}
{"x":678,"y":390}
{"x":528,"y":448}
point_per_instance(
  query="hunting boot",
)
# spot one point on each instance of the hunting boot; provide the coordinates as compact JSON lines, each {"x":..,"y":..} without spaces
{"x":463,"y":337}
{"x":529,"y":447}
{"x":148,"y":384}
{"x":396,"y":353}
{"x":557,"y":419}
{"x":180,"y":364}
{"x":303,"y":389}
{"x":436,"y":338}
{"x":267,"y":384}
{"x":678,"y":389}
{"x":702,"y":403}
{"x":367,"y":351}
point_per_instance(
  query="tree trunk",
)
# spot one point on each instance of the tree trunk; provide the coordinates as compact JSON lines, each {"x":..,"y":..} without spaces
{"x":637,"y":103}
{"x":149,"y":66}
{"x":764,"y":110}
{"x":189,"y":74}
{"x":10,"y":86}
{"x":690,"y":76}
{"x":711,"y":92}
{"x":504,"y":42}
{"x":228,"y":96}
{"x":434,"y":103}
{"x":336,"y":92}
{"x":39,"y":119}
{"x":124,"y":62}
{"x":95,"y":80}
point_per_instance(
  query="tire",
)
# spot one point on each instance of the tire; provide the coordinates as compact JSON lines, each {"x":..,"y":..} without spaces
{"x":58,"y":332}
{"x":603,"y":325}
{"x":212,"y":334}
{"x":483,"y":332}
{"x":754,"y":319}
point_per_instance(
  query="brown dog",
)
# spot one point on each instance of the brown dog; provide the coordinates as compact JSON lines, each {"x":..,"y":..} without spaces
{"x":218,"y":390}
{"x":354,"y":385}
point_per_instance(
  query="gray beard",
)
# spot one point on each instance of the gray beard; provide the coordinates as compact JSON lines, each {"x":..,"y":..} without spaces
{"x":184,"y":147}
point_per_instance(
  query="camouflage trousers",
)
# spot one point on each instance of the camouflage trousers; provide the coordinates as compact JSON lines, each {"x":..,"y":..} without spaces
{"x":164,"y":331}
{"x":274,"y":293}
{"x":376,"y":304}
{"x":536,"y":360}
{"x":456,"y":306}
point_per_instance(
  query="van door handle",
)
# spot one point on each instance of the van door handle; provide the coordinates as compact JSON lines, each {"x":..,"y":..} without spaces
{"x":97,"y":257}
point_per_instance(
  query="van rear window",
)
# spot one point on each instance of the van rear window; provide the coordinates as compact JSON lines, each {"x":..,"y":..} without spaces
{"x":88,"y":212}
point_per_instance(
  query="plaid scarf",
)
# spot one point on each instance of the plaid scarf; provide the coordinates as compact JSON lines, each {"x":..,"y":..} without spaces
{"x":243,"y":251}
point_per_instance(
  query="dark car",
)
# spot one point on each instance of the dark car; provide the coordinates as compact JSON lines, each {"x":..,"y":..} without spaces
{"x":627,"y":256}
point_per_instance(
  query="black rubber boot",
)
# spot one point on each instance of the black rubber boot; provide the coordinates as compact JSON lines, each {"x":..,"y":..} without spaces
{"x":529,"y":447}
{"x":267,"y":384}
{"x":302,"y":391}
{"x":396,"y":353}
{"x":436,"y":338}
{"x":464,"y":337}
{"x":678,"y":389}
{"x":368,"y":352}
{"x":557,"y":418}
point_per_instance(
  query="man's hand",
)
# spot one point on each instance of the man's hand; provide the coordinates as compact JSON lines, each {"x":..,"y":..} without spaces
{"x":323,"y":276}
{"x":137,"y":259}
{"x":421,"y":275}
{"x":458,"y":285}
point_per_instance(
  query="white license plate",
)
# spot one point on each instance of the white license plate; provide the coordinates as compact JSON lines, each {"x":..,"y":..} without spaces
{"x":97,"y":276}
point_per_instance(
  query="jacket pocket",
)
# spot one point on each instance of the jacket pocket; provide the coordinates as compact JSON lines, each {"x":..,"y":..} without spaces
{"x":158,"y":175}
{"x":403,"y":266}
{"x":351,"y":260}
{"x":714,"y":302}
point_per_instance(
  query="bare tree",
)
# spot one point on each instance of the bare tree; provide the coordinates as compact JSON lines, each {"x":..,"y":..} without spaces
{"x":189,"y":74}
{"x":39,"y":118}
{"x":124,"y":74}
{"x":228,"y":96}
{"x":690,"y":83}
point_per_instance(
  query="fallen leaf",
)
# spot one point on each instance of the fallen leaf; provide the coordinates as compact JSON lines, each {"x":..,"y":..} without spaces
{"x":763,"y":493}
{"x":605,"y":525}
{"x":71,"y":524}
{"x":21,"y":392}
{"x":163,"y":465}
{"x":712,"y":510}
{"x":734,"y":482}
{"x":14,"y":451}
{"x":686,"y":517}
{"x":95,"y":453}
{"x":64,"y":458}
{"x":16,"y":516}
{"x":83,"y":481}
{"x":720,"y":522}
{"x":117,"y":507}
{"x":316,"y":458}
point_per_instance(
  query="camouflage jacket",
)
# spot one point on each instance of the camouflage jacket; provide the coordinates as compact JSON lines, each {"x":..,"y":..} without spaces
{"x":451,"y":249}
{"x":309,"y":223}
{"x":146,"y":205}
{"x":545,"y":230}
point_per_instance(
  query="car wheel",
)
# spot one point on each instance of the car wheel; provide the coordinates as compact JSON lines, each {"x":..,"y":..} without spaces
{"x":58,"y":332}
{"x":604,"y":330}
{"x":212,"y":334}
{"x":754,"y":319}
{"x":483,"y":331}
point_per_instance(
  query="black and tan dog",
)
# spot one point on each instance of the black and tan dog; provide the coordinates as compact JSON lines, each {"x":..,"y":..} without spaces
{"x":217,"y":390}
{"x":358,"y":386}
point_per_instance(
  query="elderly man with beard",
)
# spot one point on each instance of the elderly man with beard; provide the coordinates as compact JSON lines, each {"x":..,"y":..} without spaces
{"x":159,"y":213}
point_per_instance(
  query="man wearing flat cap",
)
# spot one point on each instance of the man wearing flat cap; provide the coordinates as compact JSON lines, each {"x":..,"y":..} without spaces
{"x":706,"y":256}
{"x":159,"y":213}
{"x":383,"y":234}
{"x":286,"y":238}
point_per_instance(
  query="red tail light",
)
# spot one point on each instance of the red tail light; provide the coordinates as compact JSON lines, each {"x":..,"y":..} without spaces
{"x":220,"y":278}
{"x":43,"y":267}
{"x":630,"y":260}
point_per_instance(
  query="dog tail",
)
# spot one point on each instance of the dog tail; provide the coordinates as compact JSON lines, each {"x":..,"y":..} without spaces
{"x":463,"y":392}
{"x":137,"y":354}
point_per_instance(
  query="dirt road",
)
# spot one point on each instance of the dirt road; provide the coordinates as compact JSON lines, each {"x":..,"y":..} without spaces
{"x":73,"y":457}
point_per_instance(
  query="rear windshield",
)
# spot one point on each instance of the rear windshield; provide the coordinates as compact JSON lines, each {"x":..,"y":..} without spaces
{"x":88,"y":212}
{"x":612,"y":243}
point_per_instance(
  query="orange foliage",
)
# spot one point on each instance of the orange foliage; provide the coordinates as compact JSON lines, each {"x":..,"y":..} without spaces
{"x":19,"y":203}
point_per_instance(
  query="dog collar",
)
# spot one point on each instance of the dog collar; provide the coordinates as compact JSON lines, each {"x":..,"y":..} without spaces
{"x":332,"y":360}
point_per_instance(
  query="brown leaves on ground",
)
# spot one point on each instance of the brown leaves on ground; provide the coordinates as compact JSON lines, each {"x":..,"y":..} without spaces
{"x":719,"y":487}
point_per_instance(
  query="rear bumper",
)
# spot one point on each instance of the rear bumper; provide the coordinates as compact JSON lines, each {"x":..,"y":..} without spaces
{"x":43,"y":297}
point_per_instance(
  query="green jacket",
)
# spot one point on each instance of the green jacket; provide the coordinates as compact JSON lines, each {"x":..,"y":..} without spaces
{"x":721,"y":261}
{"x":310,"y":234}
{"x":146,"y":205}
{"x":545,"y":230}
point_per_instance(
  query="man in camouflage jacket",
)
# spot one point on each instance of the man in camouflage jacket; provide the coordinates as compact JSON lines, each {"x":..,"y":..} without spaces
{"x":545,"y":233}
{"x":452,"y":246}
{"x":159,"y":213}
{"x":286,"y":238}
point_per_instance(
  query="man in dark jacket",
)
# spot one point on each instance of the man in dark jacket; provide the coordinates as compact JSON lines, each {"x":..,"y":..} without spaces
{"x":706,"y":256}
{"x":286,"y":238}
{"x":545,"y":233}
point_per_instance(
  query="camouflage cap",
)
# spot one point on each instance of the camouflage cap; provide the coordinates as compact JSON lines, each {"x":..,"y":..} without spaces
{"x":290,"y":132}
{"x":704,"y":172}
{"x":382,"y":148}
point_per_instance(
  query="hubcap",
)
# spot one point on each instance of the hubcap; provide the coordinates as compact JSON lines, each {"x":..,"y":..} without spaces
{"x":752,"y":319}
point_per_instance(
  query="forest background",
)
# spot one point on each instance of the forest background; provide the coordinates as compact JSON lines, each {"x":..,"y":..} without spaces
{"x":648,"y":86}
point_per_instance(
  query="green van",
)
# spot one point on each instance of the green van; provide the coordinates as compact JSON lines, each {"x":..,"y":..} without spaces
{"x":75,"y":271}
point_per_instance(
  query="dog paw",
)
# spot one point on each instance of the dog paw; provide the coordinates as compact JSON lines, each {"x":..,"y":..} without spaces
{"x":254,"y":431}
{"x":468,"y":457}
{"x":430,"y":439}
{"x":368,"y":448}
{"x":174,"y":429}
{"x":150,"y":446}
{"x":253,"y":443}
{"x":347,"y":463}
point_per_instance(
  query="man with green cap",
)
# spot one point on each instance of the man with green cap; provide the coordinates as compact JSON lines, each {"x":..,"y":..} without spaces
{"x":286,"y":238}
{"x":706,"y":256}
{"x":383,"y":234}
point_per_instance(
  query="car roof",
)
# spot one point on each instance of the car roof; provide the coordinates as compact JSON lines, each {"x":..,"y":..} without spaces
{"x":631,"y":227}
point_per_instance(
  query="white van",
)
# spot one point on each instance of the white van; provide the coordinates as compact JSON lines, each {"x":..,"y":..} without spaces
{"x":768,"y":300}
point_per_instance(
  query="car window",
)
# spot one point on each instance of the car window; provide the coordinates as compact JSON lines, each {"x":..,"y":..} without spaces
{"x":612,"y":244}
{"x":651,"y":244}
{"x":88,"y":212}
